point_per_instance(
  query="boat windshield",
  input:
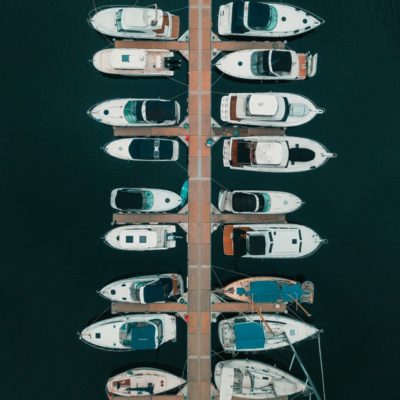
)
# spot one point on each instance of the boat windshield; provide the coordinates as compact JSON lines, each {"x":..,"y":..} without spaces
{"x":132,"y":111}
{"x":261,"y":16}
{"x":271,"y":63}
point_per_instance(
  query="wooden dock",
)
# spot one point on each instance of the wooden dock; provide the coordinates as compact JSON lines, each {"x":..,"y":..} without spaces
{"x":150,"y":131}
{"x":229,"y":131}
{"x":224,"y":307}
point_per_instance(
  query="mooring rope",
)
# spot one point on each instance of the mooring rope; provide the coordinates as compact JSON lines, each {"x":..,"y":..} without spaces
{"x":322,"y":367}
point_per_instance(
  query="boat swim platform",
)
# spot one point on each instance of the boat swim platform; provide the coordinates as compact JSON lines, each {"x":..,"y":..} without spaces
{"x":223,"y":307}
{"x":222,"y":218}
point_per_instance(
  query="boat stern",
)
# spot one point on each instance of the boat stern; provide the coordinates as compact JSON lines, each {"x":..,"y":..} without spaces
{"x":312,"y":63}
{"x":169,"y":328}
{"x":225,"y":113}
{"x":227,"y":153}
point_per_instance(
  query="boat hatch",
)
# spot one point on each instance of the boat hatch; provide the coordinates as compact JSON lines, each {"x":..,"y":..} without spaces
{"x":128,"y":59}
{"x":271,"y":292}
{"x":269,"y":153}
{"x":151,"y":149}
{"x":249,"y":335}
{"x":139,"y":335}
{"x":160,"y":111}
{"x":138,"y":239}
{"x":263,"y":105}
{"x":256,"y":245}
{"x":131,"y":19}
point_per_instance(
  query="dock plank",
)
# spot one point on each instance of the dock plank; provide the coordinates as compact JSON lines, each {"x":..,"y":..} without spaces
{"x":149,"y":131}
{"x":125,"y":218}
{"x":151,"y":44}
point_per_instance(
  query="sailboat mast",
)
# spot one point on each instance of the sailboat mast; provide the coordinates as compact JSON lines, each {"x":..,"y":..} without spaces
{"x":314,"y":389}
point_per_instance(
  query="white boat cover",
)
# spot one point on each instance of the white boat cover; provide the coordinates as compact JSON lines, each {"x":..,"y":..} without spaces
{"x":138,"y":239}
{"x":226,"y":387}
{"x":134,"y":18}
{"x":263,"y":104}
{"x":271,"y":153}
{"x":128,"y":59}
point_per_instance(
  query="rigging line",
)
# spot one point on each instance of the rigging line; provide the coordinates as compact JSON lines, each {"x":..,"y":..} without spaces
{"x":100,"y":315}
{"x":222,"y":74}
{"x":180,"y":94}
{"x":177,"y":81}
{"x":322,"y":367}
{"x":183,"y":167}
{"x":215,"y":353}
{"x":231,"y":270}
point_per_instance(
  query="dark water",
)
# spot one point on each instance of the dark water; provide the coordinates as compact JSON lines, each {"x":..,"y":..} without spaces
{"x":56,"y":183}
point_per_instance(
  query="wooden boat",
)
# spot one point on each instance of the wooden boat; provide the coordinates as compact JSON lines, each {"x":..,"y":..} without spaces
{"x":268,"y":289}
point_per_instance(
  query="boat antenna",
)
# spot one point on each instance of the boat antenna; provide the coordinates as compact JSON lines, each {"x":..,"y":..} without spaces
{"x":312,"y":386}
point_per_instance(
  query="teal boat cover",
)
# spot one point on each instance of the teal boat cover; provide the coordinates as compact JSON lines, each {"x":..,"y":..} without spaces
{"x":249,"y":336}
{"x":143,"y":336}
{"x":272,"y":292}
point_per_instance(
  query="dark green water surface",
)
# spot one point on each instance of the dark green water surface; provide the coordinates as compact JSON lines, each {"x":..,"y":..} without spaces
{"x":56,"y":183}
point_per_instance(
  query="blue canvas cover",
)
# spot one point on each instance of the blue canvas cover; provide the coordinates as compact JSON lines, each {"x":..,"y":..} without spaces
{"x":290,"y":292}
{"x":249,"y":335}
{"x":143,"y":336}
{"x":272,"y":292}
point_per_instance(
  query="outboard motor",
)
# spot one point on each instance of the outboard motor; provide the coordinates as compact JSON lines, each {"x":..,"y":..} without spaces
{"x":173,"y":63}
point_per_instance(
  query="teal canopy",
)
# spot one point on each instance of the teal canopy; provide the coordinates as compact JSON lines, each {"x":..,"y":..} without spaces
{"x":143,"y":336}
{"x":249,"y":336}
{"x":272,"y":292}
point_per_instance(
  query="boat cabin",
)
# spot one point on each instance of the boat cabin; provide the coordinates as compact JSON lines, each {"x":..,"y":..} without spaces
{"x":138,"y":239}
{"x":151,"y":149}
{"x":139,"y":20}
{"x":128,"y":59}
{"x":271,"y":63}
{"x":141,"y":335}
{"x":157,"y":291}
{"x":134,"y":200}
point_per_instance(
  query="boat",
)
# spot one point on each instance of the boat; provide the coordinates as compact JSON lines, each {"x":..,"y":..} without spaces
{"x":257,"y":202}
{"x":131,"y":332}
{"x":135,"y":23}
{"x":273,"y":65}
{"x":251,"y":333}
{"x":247,"y":379}
{"x":136,"y":112}
{"x":142,"y":382}
{"x":136,"y":62}
{"x":265,"y":20}
{"x":270,"y":241}
{"x":268,"y":289}
{"x":274,"y":154}
{"x":142,"y":237}
{"x":280,"y":110}
{"x":143,"y":149}
{"x":144,"y":200}
{"x":145,"y":289}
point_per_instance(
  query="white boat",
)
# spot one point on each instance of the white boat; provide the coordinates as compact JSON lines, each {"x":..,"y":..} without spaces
{"x":144,"y":200}
{"x":268,"y":109}
{"x":142,"y":237}
{"x":135,"y":23}
{"x":131,"y":332}
{"x":143,"y":149}
{"x":274,"y":154}
{"x":270,"y":241}
{"x":136,"y":62}
{"x":251,"y":333}
{"x":262,"y":19}
{"x":145,"y":289}
{"x":273,"y":65}
{"x":269,"y":289}
{"x":247,"y":379}
{"x":143,"y":382}
{"x":257,"y":202}
{"x":136,"y":112}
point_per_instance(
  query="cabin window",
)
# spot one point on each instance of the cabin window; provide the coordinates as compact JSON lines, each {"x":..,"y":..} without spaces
{"x":142,"y":239}
{"x":125,"y":58}
{"x":129,"y":239}
{"x":98,"y":335}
